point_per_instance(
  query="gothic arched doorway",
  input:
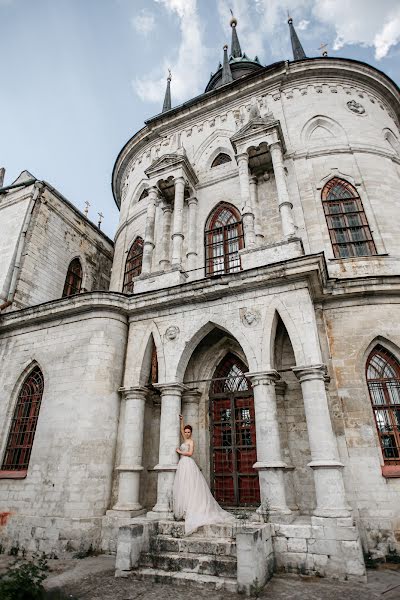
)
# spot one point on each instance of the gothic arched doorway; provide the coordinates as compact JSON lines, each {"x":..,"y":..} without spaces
{"x":234,"y":482}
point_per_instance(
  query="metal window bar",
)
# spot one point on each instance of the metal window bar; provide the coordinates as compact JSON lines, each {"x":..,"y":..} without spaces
{"x":222,"y":245}
{"x":23,"y":424}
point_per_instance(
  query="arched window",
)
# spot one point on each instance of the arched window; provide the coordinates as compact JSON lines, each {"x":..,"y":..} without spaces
{"x":23,"y":426}
{"x":143,"y":195}
{"x":133,"y":265}
{"x":73,"y":281}
{"x":221,"y":159}
{"x":223,"y":240}
{"x":348,"y":226}
{"x":383,"y":378}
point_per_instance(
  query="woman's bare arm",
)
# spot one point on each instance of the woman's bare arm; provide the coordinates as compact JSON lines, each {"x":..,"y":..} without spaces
{"x":182,"y":429}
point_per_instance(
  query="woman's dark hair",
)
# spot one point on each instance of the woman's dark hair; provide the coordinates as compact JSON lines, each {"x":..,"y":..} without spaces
{"x":188,"y":427}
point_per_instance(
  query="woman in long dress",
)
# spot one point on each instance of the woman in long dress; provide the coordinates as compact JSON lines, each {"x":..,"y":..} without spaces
{"x":193,"y":500}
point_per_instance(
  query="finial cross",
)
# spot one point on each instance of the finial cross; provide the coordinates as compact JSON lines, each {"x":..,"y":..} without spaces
{"x":324,"y":49}
{"x":86,"y":210}
{"x":101,"y":217}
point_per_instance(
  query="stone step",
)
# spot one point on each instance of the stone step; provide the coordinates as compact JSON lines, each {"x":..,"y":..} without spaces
{"x":177,"y":529}
{"x":204,"y":564}
{"x":194,"y":545}
{"x":183,"y":578}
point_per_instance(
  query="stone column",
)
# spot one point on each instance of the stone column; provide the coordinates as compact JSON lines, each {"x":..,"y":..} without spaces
{"x":285,"y":206}
{"x":328,"y":477}
{"x":256,"y":208}
{"x":247,"y":210}
{"x":148,"y":245}
{"x":177,"y":235}
{"x":132,"y":449}
{"x":166,"y":233}
{"x":190,"y":410}
{"x":269,"y":463}
{"x":169,"y":441}
{"x":191,"y":254}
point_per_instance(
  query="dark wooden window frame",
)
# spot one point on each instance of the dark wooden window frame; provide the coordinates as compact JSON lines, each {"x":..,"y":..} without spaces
{"x":73,"y":280}
{"x":223,"y":242}
{"x":133,"y":265}
{"x":347,"y":223}
{"x":384,"y":393}
{"x":23,"y":426}
{"x":221,"y":159}
{"x":238,"y":437}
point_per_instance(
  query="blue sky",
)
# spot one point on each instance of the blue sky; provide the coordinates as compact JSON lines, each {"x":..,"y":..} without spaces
{"x":79,"y":77}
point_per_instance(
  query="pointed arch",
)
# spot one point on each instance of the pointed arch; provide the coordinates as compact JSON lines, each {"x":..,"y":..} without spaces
{"x":382,"y":371}
{"x":392,"y":140}
{"x":73,"y":280}
{"x":277,"y":310}
{"x":223,"y":238}
{"x":221,"y":159}
{"x":133,"y":265}
{"x":23,"y":424}
{"x":347,"y":223}
{"x":217,"y":141}
{"x":332,"y":127}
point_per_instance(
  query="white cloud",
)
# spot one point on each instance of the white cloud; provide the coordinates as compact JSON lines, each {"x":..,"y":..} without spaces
{"x":364,"y":22}
{"x":302,"y":26}
{"x":189,"y":62}
{"x":144,"y":22}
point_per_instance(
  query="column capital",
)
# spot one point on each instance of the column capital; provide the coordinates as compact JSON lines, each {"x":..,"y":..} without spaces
{"x":276,"y":145}
{"x":243,"y":156}
{"x":192,"y":201}
{"x":253,"y":179}
{"x":179,"y":180}
{"x":153,"y":191}
{"x":173,"y":388}
{"x":130,"y":393}
{"x":191,"y":396}
{"x":310,"y":372}
{"x":166,"y":207}
{"x":263,"y":377}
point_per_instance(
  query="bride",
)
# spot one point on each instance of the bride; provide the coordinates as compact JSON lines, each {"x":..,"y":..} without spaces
{"x":192,"y":498}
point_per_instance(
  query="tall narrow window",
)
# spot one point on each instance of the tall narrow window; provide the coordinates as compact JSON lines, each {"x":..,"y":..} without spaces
{"x":348,"y":226}
{"x":221,"y":159}
{"x":383,"y":378}
{"x":133,"y":266}
{"x":223,"y":239}
{"x":23,"y":426}
{"x":73,"y":281}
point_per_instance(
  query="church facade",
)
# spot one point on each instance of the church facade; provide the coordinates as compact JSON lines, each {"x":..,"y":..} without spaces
{"x":254,"y":288}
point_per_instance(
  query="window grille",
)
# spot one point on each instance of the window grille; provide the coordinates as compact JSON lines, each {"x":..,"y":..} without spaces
{"x":383,"y":378}
{"x":23,"y":425}
{"x":73,"y":281}
{"x":221,"y":159}
{"x":347,"y":223}
{"x":234,"y":482}
{"x":133,"y":265}
{"x":223,"y":239}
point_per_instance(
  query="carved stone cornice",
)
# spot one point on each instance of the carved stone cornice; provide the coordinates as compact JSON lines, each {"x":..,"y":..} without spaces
{"x":174,"y":164}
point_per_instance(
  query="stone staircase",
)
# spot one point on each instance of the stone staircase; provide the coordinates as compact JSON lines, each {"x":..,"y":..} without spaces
{"x":207,"y":558}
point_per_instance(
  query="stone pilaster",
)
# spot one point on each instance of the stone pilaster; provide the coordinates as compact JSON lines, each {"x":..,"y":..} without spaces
{"x":177,"y":234}
{"x":247,"y":210}
{"x":148,"y":245}
{"x":328,"y":476}
{"x":131,"y":465}
{"x":166,"y":236}
{"x":256,"y":209}
{"x":191,"y":254}
{"x":269,"y":463}
{"x":190,"y":410}
{"x":171,"y":394}
{"x":285,"y":206}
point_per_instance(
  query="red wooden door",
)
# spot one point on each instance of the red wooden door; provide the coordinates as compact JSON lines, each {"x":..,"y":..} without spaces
{"x":234,"y":482}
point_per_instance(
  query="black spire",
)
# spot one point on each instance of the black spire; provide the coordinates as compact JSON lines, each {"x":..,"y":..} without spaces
{"x":297,"y":48}
{"x":167,"y":98}
{"x":236,"y":50}
{"x":226,"y":68}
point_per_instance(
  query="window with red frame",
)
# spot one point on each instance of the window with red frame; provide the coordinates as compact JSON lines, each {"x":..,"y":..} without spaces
{"x":383,"y":378}
{"x":23,"y":425}
{"x":133,"y":265}
{"x":73,"y":281}
{"x":348,"y":226}
{"x":223,"y":239}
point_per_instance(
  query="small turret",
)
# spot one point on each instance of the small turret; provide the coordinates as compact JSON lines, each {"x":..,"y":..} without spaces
{"x":297,"y":48}
{"x":226,"y":69}
{"x":167,"y":98}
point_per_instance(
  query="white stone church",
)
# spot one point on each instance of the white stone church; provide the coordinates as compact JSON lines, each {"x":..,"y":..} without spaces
{"x":254,"y":286}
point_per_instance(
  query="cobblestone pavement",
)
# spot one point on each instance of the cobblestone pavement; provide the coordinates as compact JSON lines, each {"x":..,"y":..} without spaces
{"x":93,"y":579}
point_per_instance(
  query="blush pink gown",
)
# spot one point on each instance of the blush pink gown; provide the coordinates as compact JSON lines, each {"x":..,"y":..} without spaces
{"x":192,"y":498}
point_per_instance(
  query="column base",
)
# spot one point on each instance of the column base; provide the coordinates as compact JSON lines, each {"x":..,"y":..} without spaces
{"x":332,"y":513}
{"x":160,"y":280}
{"x":157,"y":515}
{"x":125,"y":513}
{"x":282,"y":517}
